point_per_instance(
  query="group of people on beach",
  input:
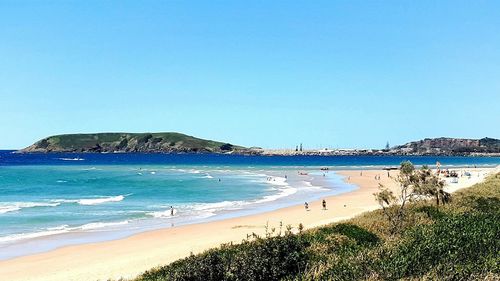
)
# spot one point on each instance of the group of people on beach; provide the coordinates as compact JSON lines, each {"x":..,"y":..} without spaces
{"x":323,"y":203}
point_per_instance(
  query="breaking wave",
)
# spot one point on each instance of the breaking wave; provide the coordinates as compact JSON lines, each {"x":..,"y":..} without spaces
{"x":162,"y":214}
{"x":93,"y":201}
{"x":16,"y":206}
{"x":71,"y":159}
{"x":60,"y":230}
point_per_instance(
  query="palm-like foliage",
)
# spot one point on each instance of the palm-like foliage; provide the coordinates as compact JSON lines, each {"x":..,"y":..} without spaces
{"x":428,"y":184}
{"x":413,"y":185}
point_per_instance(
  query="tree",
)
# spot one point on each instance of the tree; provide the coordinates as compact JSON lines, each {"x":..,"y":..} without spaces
{"x":413,"y":185}
{"x":394,"y":206}
{"x":429,"y":185}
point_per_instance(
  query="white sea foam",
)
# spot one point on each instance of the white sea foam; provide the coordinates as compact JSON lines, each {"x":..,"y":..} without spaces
{"x":278,"y":181}
{"x":207,"y":176}
{"x":16,"y":206}
{"x":96,"y":201}
{"x":93,"y":201}
{"x":6,"y":209}
{"x":71,"y":159}
{"x":199,"y":210}
{"x":284,"y":192}
{"x":60,"y":227}
{"x":205,"y":215}
{"x":282,"y":186}
{"x":24,"y":236}
{"x":162,"y":214}
{"x":205,"y":210}
{"x":90,"y":169}
{"x":97,"y":225}
{"x":217,"y":206}
{"x":306,"y":183}
{"x":60,"y":230}
{"x":177,"y":170}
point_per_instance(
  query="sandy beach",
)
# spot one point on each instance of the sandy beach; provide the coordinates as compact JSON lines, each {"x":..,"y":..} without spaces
{"x":130,"y":256}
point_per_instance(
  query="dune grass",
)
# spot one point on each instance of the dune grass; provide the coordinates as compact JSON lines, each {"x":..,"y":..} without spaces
{"x":457,"y":241}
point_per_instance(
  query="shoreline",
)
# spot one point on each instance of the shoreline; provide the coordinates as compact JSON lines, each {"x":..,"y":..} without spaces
{"x":284,"y":193}
{"x":131,"y":256}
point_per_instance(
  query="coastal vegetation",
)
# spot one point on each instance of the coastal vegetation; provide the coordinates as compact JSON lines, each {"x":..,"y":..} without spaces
{"x":455,"y":241}
{"x":413,"y":185}
{"x":169,"y":142}
{"x":172,"y":142}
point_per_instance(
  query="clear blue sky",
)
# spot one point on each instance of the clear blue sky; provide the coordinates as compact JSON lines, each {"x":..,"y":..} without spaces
{"x":263,"y":73}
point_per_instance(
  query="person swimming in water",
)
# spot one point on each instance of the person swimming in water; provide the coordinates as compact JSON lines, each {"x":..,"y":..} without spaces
{"x":171,"y":210}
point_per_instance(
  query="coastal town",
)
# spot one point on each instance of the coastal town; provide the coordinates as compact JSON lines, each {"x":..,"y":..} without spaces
{"x":436,"y":146}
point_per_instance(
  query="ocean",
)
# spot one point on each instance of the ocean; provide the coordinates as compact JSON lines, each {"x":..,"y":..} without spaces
{"x":53,"y":200}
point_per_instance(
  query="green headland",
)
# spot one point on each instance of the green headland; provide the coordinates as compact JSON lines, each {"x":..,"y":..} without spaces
{"x":168,"y":142}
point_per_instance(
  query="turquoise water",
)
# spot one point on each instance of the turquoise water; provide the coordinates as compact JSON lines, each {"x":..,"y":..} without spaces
{"x":53,"y":200}
{"x":112,"y":201}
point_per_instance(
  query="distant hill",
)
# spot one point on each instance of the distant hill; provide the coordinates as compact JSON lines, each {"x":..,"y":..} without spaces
{"x":179,"y":143}
{"x":131,"y":142}
{"x":448,"y":146}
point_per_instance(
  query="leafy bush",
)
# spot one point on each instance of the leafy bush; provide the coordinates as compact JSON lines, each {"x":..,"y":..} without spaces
{"x":263,"y":259}
{"x":359,"y":235}
{"x":432,"y":212}
{"x":455,"y":248}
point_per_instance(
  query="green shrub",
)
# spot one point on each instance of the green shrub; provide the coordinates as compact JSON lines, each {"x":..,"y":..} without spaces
{"x":455,"y":247}
{"x":263,"y":259}
{"x":432,"y":212}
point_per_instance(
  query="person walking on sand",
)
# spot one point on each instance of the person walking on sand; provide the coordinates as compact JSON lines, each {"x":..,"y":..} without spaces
{"x":306,"y":206}
{"x":324,"y":204}
{"x":172,"y":210}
